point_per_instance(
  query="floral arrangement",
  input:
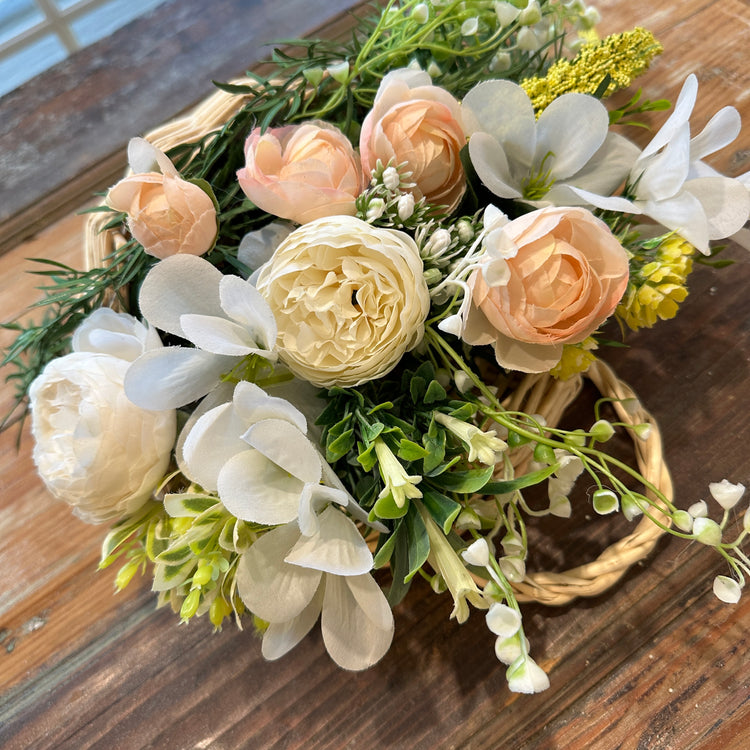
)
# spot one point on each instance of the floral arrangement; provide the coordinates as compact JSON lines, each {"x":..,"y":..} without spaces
{"x":287,"y":388}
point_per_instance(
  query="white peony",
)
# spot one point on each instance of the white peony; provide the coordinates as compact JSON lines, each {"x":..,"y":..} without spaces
{"x":94,"y":448}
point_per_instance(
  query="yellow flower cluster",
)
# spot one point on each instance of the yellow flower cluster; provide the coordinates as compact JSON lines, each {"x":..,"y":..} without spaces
{"x":657,"y":289}
{"x":575,"y":358}
{"x":622,"y":57}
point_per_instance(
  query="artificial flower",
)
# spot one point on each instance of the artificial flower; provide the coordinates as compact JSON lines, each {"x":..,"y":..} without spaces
{"x":94,"y":448}
{"x":349,"y":300}
{"x":224,"y":317}
{"x":536,"y":161}
{"x":289,"y":578}
{"x":301,"y":172}
{"x":420,"y":125}
{"x":553,"y":276}
{"x":671,"y":184}
{"x":166,"y":214}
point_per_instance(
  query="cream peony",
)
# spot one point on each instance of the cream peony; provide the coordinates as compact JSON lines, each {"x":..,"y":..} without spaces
{"x":349,"y":299}
{"x":166,"y":214}
{"x":414,"y":122}
{"x":301,"y":172}
{"x":552,"y":277}
{"x":94,"y":448}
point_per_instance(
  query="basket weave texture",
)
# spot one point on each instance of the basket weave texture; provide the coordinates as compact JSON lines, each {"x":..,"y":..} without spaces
{"x":536,"y":394}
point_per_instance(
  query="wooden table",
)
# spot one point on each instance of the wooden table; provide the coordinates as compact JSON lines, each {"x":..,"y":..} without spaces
{"x":657,"y":662}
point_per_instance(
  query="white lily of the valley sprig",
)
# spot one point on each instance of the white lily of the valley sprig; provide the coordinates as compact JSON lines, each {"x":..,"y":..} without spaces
{"x":225,"y":318}
{"x":318,"y":566}
{"x":519,"y":157}
{"x":671,"y":184}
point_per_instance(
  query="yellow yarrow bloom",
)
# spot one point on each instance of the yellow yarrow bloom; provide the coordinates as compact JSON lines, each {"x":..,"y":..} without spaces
{"x":656,"y":290}
{"x":576,"y":358}
{"x":622,"y":57}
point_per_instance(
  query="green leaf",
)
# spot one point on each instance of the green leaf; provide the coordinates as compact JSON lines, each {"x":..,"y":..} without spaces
{"x":411,"y":451}
{"x":418,"y":541}
{"x":434,"y":443}
{"x":371,"y":431}
{"x":435,"y":392}
{"x":367,"y":458}
{"x":441,"y":508}
{"x":505,"y":486}
{"x":385,"y":548}
{"x":464,"y":412}
{"x":338,"y":448}
{"x":187,"y":505}
{"x":464,"y":482}
{"x":399,"y":570}
{"x":385,"y":507}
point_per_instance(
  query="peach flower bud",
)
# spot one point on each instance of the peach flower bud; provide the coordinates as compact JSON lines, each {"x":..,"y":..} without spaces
{"x":301,"y":172}
{"x":555,"y":276}
{"x":414,"y":122}
{"x":166,"y":214}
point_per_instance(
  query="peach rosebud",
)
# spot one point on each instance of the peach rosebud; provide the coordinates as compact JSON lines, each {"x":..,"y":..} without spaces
{"x":555,"y":275}
{"x":415,"y":122}
{"x":301,"y":172}
{"x":166,"y":214}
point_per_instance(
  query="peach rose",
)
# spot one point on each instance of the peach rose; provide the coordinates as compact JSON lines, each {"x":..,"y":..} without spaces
{"x":415,"y":122}
{"x":301,"y":172}
{"x":166,"y":214}
{"x":556,"y":275}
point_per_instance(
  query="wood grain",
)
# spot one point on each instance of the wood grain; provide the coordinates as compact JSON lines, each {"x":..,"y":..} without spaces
{"x":655,"y":664}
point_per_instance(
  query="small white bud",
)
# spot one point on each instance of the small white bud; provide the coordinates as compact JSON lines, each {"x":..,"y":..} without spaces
{"x":313,"y":75}
{"x":414,"y":65}
{"x":725,"y":493}
{"x":468,"y":519}
{"x":376,"y":209}
{"x":501,"y":62}
{"x":508,"y":650}
{"x":605,"y":501}
{"x":643,"y":431}
{"x":746,"y":521}
{"x":513,"y":568}
{"x":463,"y":381}
{"x":683,"y":521}
{"x":531,"y":14}
{"x":699,"y":509}
{"x":391,"y":178}
{"x":527,"y":40}
{"x":506,"y":13}
{"x":502,"y":620}
{"x":727,"y":589}
{"x":470,"y":26}
{"x":526,"y":676}
{"x":707,"y":532}
{"x":630,"y":507}
{"x":339,"y":72}
{"x":421,"y":13}
{"x":591,"y":17}
{"x":433,"y":69}
{"x":602,"y":431}
{"x":465,"y":231}
{"x":477,"y":553}
{"x":405,"y":206}
{"x":439,"y":242}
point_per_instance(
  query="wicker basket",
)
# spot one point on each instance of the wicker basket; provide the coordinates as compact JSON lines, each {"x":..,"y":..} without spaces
{"x":536,"y":394}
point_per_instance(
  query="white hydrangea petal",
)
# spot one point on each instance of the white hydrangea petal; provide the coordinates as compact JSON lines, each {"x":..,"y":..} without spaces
{"x":491,"y":165}
{"x":174,"y":376}
{"x":270,"y":588}
{"x":503,"y":109}
{"x":255,"y":489}
{"x":683,"y":108}
{"x":569,"y":132}
{"x":725,"y":202}
{"x":213,"y":440}
{"x":337,"y":547}
{"x":720,"y":131}
{"x":219,"y":336}
{"x":354,"y":612}
{"x":179,"y":285}
{"x":282,"y":637}
{"x":244,"y":304}
{"x":287,"y":447}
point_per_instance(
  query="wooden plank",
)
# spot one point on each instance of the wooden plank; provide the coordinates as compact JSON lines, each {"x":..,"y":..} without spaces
{"x":62,"y":134}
